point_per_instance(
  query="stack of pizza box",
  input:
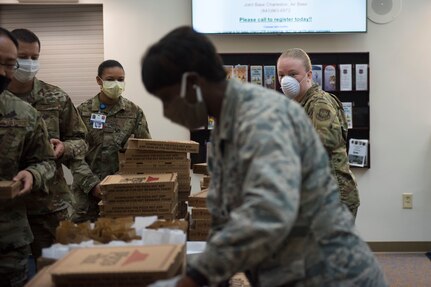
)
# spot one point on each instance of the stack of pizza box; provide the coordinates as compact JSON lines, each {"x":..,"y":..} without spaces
{"x":200,"y":221}
{"x":148,"y":156}
{"x":140,"y":195}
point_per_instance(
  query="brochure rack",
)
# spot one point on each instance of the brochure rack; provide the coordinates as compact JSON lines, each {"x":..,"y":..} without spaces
{"x":347,"y":77}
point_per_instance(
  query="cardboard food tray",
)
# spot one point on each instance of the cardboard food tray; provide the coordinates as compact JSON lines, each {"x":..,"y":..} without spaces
{"x":118,"y":266}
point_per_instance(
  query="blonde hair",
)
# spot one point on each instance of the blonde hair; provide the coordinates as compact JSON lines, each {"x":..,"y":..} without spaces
{"x":297,"y":53}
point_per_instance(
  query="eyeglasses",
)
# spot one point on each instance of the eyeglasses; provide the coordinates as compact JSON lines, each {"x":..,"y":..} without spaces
{"x":10,"y":67}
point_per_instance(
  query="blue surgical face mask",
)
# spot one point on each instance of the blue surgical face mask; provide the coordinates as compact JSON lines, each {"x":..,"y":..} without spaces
{"x":191,"y":116}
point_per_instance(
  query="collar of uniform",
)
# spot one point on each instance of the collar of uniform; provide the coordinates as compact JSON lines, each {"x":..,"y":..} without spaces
{"x":34,"y":94}
{"x":312,"y":90}
{"x":228,"y":114}
{"x":95,"y":103}
{"x":120,"y":105}
{"x":37,"y":87}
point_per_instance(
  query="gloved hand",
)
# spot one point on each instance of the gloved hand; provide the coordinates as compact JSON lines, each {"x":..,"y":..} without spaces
{"x":166,"y":283}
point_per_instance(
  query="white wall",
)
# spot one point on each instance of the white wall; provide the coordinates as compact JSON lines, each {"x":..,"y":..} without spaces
{"x":400,"y":97}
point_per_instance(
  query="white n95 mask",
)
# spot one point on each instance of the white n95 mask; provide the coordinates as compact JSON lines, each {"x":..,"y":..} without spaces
{"x":290,"y":86}
{"x":27,"y":70}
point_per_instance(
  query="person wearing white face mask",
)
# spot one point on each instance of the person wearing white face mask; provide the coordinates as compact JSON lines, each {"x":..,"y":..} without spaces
{"x":327,"y":115}
{"x":111,"y":120}
{"x":27,"y":70}
{"x":275,"y":209}
{"x":66,"y":132}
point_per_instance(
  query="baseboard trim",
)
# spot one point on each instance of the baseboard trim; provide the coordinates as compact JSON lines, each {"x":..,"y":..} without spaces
{"x":400,"y":246}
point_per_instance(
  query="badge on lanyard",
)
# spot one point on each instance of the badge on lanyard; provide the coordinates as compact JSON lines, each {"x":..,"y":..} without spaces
{"x":98,"y":120}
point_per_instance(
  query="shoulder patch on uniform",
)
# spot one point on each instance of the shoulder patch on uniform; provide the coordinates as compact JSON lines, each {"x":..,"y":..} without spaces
{"x":323,"y":114}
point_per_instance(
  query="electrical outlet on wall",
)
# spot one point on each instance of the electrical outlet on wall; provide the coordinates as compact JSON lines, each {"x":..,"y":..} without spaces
{"x":407,"y":200}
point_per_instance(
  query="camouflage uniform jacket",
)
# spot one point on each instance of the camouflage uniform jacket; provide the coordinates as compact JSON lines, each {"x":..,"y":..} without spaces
{"x":328,"y":118}
{"x":63,"y":122}
{"x":23,"y":145}
{"x":276,"y":213}
{"x":123,"y":120}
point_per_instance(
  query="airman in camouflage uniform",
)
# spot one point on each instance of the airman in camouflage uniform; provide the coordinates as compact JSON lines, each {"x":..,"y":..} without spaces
{"x":276,"y":212}
{"x":26,"y":155}
{"x":328,"y":118}
{"x":122,"y":120}
{"x":66,"y":132}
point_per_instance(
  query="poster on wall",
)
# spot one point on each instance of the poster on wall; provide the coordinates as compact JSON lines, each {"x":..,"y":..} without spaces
{"x":256,"y":75}
{"x":317,"y":74}
{"x":361,"y":76}
{"x":330,"y":78}
{"x":347,"y":107}
{"x":345,"y":77}
{"x":241,"y":73}
{"x":269,"y":77}
{"x":358,"y":152}
{"x":229,"y":71}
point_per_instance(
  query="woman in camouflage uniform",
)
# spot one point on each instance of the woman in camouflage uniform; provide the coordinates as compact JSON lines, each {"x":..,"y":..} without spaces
{"x":327,"y":115}
{"x":111,"y":120}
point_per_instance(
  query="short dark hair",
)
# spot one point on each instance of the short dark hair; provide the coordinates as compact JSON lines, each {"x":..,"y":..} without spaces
{"x":108,"y":64}
{"x":8,"y":34}
{"x":26,"y":36}
{"x":181,"y":50}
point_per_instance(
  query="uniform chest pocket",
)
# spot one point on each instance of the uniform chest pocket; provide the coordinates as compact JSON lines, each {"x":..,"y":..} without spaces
{"x":121,"y":127}
{"x":51,"y":116}
{"x":12,"y":135}
{"x":94,"y":136}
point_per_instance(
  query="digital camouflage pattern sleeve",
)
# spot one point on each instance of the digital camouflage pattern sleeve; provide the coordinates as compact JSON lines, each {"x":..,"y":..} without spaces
{"x":63,"y":123}
{"x":275,"y":208}
{"x":24,"y":145}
